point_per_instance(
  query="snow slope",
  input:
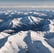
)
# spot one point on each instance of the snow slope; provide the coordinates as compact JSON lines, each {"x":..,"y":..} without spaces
{"x":26,"y":31}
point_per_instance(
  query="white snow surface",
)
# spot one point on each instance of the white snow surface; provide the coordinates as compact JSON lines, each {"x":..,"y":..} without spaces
{"x":26,"y":31}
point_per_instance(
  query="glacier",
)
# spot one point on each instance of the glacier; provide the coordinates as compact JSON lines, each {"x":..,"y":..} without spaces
{"x":26,"y":31}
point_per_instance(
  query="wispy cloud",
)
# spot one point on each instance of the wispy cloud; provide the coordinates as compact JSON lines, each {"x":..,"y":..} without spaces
{"x":26,"y":6}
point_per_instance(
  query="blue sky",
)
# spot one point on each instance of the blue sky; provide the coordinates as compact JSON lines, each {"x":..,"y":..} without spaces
{"x":27,"y":3}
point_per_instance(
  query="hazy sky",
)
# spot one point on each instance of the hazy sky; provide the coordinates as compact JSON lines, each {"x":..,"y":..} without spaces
{"x":15,"y":3}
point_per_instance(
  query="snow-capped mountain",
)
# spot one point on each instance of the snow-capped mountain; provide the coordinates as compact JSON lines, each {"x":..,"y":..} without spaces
{"x":26,"y":31}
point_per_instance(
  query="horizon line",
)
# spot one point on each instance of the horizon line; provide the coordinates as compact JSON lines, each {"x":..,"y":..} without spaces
{"x":25,"y":6}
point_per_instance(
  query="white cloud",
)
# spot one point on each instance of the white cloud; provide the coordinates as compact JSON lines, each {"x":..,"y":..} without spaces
{"x":26,"y":5}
